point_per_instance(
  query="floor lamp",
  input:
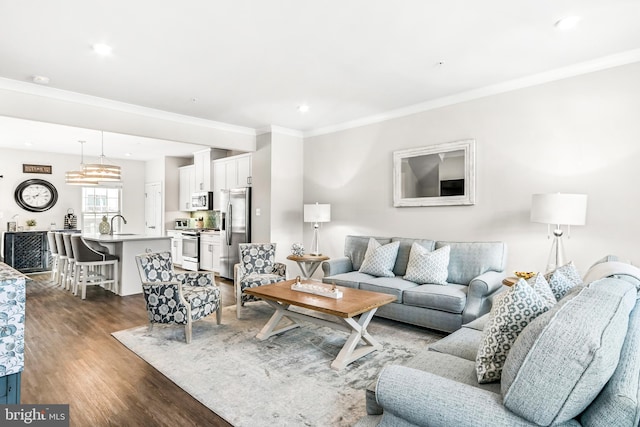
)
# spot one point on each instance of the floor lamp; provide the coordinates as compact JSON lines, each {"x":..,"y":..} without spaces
{"x":558,"y":209}
{"x":316,"y":214}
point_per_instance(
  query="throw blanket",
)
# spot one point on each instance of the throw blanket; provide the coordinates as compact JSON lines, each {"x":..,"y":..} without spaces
{"x":611,"y":268}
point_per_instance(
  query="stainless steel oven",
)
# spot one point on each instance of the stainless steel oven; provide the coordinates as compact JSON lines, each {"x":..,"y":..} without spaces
{"x":191,"y":250}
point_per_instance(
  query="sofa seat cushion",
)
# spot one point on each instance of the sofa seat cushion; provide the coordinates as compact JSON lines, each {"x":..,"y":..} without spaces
{"x":351,"y":279}
{"x":462,"y":343}
{"x":566,"y":356}
{"x":388,"y":285}
{"x":450,"y":298}
{"x":441,"y":364}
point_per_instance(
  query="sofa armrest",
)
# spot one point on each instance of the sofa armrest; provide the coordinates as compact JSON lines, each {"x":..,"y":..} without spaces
{"x":337,"y":266}
{"x":425,"y":399}
{"x":479,"y":296}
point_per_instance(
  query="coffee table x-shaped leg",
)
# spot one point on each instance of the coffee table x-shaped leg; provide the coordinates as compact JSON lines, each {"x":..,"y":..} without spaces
{"x":350,"y":350}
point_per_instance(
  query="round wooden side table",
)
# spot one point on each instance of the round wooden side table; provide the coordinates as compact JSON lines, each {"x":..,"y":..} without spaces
{"x":308,"y":263}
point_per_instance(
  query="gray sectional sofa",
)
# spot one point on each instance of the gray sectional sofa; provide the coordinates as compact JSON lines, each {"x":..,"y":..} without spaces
{"x":475,"y":274}
{"x":578,"y":364}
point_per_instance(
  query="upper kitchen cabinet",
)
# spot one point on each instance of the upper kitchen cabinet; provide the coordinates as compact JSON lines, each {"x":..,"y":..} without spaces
{"x":230,"y":172}
{"x":202,"y":163}
{"x":187,"y":186}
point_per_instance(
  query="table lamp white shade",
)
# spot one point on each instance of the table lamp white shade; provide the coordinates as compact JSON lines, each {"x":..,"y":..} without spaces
{"x":558,"y":209}
{"x":316,"y":213}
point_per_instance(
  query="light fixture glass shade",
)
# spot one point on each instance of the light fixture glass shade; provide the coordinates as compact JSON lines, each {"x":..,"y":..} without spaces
{"x":78,"y":178}
{"x":102,"y":172}
{"x":559,"y":209}
{"x":317,"y":213}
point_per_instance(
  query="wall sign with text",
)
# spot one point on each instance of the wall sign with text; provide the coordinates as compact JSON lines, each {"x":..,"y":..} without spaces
{"x":36,"y":168}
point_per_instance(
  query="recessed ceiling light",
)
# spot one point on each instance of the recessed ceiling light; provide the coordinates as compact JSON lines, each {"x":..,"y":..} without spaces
{"x":41,"y":80}
{"x":127,"y":154}
{"x":303,"y":108}
{"x":28,"y":144}
{"x":102,"y":49}
{"x":568,"y":23}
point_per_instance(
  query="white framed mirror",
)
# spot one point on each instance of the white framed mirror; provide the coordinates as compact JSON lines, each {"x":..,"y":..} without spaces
{"x":435,"y":175}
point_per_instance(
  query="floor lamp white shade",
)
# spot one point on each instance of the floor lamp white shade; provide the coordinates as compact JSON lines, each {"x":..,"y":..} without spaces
{"x":558,"y":209}
{"x":316,"y":214}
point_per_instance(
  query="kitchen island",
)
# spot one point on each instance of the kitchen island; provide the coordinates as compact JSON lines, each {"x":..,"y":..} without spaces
{"x":126,"y":247}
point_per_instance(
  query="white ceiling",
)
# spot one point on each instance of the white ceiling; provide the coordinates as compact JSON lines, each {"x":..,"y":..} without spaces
{"x":251,"y":63}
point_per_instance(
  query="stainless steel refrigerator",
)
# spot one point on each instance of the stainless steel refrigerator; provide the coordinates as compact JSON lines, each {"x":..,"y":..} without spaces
{"x":235,"y":227}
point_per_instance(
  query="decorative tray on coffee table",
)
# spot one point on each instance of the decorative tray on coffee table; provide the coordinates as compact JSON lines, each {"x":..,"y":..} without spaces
{"x":321,"y":289}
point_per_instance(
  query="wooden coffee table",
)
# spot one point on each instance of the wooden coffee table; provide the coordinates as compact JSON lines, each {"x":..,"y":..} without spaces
{"x":355,"y":302}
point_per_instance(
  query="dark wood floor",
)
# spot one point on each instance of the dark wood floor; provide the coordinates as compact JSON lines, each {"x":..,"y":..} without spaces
{"x":71,"y":358}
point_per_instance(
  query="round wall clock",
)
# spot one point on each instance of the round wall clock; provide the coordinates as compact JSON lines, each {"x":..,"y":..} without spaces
{"x":36,"y":195}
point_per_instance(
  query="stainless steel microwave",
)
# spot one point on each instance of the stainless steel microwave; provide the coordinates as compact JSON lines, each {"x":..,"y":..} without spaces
{"x":202,"y":201}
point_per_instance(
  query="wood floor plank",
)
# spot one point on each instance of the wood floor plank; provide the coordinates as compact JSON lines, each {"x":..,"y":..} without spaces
{"x":71,"y":357}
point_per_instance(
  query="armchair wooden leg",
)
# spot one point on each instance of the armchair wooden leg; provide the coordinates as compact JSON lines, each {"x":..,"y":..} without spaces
{"x":187,"y":332}
{"x":219,"y":315}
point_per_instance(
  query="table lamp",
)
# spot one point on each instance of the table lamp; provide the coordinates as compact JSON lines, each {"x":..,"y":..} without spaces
{"x":316,"y":214}
{"x":558,"y":209}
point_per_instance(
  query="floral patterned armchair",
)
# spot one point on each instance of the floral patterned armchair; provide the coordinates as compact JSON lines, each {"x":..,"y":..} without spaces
{"x":176,"y":298}
{"x":257,"y":267}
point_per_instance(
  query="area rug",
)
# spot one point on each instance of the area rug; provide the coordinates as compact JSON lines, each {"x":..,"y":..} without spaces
{"x":285,"y":380}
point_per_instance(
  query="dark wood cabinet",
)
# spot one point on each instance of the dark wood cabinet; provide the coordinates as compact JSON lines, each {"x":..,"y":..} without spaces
{"x":27,"y":251}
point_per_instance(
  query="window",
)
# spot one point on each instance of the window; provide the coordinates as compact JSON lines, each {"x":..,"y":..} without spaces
{"x":98,"y":202}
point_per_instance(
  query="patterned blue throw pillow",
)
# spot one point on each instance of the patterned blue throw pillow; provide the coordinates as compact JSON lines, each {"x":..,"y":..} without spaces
{"x":380,"y":259}
{"x":428,"y":267}
{"x":512,"y":311}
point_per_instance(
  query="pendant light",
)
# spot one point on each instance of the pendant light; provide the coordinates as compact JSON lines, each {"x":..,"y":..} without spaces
{"x":78,"y":177}
{"x":102,"y":171}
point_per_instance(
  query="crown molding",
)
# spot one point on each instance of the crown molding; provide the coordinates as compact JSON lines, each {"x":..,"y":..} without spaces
{"x":95,"y":101}
{"x":280,"y":130}
{"x":586,"y":67}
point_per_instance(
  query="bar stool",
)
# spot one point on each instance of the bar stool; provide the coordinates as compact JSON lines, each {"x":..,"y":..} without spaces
{"x":51,"y":237}
{"x":62,"y":259}
{"x":69,"y":273}
{"x":85,"y":258}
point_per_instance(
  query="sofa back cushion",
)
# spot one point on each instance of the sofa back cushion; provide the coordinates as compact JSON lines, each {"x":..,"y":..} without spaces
{"x":355,"y":247}
{"x":619,"y":402}
{"x":400,"y":269}
{"x":468,"y":260}
{"x":562,"y":360}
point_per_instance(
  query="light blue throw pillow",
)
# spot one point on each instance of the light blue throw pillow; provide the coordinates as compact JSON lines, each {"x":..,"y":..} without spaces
{"x":380,"y":259}
{"x":429,"y":267}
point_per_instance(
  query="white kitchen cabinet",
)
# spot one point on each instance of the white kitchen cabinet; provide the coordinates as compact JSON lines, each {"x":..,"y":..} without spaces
{"x":243,"y":170}
{"x":210,"y":251}
{"x":219,"y":181}
{"x":202,"y":165}
{"x":187,"y":184}
{"x":176,"y":246}
{"x":231,"y":172}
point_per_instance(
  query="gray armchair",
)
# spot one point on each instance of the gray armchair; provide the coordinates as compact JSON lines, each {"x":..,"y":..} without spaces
{"x":257,"y":267}
{"x":176,"y":298}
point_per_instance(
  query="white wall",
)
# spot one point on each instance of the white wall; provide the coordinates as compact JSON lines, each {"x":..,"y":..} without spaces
{"x":577,"y":135}
{"x":69,"y":196}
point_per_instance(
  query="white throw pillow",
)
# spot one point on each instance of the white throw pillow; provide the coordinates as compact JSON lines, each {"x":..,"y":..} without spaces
{"x":512,"y":311}
{"x":428,"y":267}
{"x":379,"y":260}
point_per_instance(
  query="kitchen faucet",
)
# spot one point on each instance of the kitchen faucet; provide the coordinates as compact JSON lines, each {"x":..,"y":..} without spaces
{"x":114,"y":217}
